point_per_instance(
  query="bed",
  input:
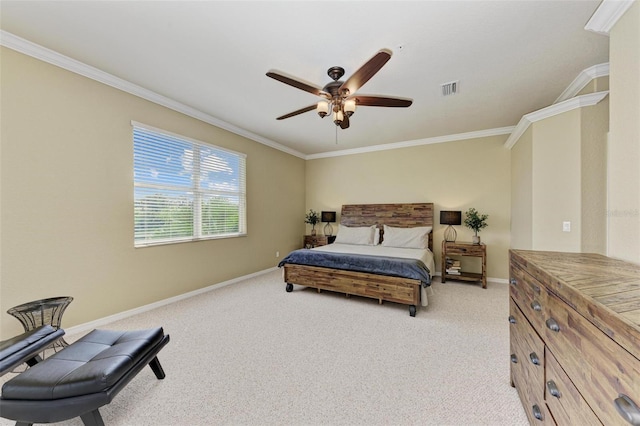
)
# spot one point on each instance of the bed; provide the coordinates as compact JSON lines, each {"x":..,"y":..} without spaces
{"x":386,"y":274}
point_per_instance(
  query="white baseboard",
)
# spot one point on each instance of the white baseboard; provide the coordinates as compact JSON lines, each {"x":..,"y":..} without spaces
{"x":88,"y":326}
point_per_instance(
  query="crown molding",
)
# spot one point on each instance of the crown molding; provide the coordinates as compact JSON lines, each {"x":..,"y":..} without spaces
{"x":34,"y":50}
{"x":416,"y":142}
{"x":26,"y":47}
{"x":606,"y":15}
{"x":550,"y":111}
{"x":584,"y":78}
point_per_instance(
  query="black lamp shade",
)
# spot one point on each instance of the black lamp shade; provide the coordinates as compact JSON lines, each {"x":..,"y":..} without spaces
{"x":448,"y":217}
{"x":328,"y":217}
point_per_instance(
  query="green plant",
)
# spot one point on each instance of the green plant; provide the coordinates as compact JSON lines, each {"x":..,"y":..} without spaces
{"x":312,"y":218}
{"x":475,"y":220}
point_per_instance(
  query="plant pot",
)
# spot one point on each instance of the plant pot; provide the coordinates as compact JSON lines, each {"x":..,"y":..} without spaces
{"x":313,"y":232}
{"x":475,"y":239}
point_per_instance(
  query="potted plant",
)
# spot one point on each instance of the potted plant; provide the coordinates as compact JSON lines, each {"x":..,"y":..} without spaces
{"x":312,"y":218}
{"x":475,"y":221}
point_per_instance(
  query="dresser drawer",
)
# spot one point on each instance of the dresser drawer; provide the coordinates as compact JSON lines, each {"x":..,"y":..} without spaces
{"x":527,"y":366}
{"x":530,"y":296}
{"x":565,"y":402}
{"x":600,"y":369}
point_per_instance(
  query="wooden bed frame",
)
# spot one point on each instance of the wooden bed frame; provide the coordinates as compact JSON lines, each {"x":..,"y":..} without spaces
{"x":381,"y":287}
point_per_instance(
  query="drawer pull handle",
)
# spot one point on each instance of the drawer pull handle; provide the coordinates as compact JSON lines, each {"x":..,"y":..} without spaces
{"x":513,"y":281}
{"x":534,"y":358}
{"x":553,"y":389}
{"x":537,"y":413}
{"x":514,"y":358}
{"x":628,"y":409}
{"x":512,"y":319}
{"x":552,"y":325}
{"x":536,"y":306}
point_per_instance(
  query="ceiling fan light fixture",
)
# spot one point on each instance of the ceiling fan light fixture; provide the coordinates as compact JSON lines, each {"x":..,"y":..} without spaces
{"x":339,"y":96}
{"x":338,"y":117}
{"x":322,"y":108}
{"x":349,"y":107}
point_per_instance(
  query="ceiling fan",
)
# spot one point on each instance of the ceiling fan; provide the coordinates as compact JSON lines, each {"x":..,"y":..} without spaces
{"x":340,"y":96}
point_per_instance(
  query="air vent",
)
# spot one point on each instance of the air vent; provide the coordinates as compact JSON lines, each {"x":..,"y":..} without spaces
{"x":450,"y":88}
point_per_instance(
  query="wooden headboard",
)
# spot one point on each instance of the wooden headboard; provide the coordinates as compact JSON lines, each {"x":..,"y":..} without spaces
{"x":399,"y":215}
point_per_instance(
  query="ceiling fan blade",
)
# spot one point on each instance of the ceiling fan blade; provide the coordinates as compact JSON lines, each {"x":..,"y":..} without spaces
{"x":365,"y":72}
{"x":381,"y":101}
{"x":300,"y":111}
{"x":344,"y":124}
{"x":297,"y":83}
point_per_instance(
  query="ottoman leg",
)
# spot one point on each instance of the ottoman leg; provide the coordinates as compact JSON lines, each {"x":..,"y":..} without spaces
{"x":92,"y":418}
{"x":33,"y":361}
{"x":157,"y":368}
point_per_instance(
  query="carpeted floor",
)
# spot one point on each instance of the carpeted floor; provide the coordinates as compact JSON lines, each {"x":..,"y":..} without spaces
{"x":251,"y":353}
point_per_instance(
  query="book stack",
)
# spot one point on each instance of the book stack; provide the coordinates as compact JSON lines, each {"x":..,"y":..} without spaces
{"x":453,"y":266}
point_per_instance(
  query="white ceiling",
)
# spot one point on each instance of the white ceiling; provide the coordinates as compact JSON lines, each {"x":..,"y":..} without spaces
{"x":510,"y":57}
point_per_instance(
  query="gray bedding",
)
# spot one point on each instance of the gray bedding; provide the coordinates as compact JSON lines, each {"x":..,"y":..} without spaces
{"x":380,"y":265}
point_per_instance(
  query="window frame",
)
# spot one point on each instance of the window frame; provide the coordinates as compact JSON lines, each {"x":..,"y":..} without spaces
{"x":195,"y":192}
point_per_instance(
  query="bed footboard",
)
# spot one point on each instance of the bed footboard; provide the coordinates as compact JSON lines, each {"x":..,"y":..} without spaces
{"x":381,"y":287}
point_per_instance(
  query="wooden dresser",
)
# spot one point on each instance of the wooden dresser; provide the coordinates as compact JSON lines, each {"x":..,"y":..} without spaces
{"x":575,"y":338}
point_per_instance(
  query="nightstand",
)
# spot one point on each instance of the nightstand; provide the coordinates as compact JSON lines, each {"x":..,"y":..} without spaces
{"x":453,"y":250}
{"x":318,"y":240}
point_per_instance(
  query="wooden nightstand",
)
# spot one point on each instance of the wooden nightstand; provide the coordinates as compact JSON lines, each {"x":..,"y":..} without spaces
{"x":318,"y":240}
{"x":454,"y":249}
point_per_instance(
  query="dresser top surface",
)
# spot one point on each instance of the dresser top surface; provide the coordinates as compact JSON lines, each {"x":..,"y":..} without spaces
{"x":593,"y":284}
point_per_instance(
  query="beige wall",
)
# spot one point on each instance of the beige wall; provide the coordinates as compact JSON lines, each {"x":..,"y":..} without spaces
{"x":594,"y":123}
{"x":558,"y":175}
{"x":522,"y":192}
{"x":599,"y":84}
{"x":624,"y":141}
{"x":67,"y":199}
{"x":453,"y":175}
{"x":556,"y":182}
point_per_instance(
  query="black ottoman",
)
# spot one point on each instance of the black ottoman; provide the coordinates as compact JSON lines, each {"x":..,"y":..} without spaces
{"x":82,"y":377}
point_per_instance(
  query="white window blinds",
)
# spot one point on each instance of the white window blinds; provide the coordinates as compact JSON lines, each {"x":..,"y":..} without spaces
{"x":185,"y":190}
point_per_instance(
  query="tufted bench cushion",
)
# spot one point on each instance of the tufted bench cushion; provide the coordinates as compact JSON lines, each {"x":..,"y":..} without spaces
{"x":82,"y":377}
{"x":92,"y":364}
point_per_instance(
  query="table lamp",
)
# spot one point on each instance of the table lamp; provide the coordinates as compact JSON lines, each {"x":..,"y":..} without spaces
{"x":449,"y":217}
{"x":328,"y":217}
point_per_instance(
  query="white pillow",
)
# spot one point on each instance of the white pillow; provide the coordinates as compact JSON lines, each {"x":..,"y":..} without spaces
{"x":417,"y":237}
{"x":361,"y":235}
{"x":376,"y":236}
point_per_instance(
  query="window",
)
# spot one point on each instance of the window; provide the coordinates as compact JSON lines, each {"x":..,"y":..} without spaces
{"x":185,"y":190}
